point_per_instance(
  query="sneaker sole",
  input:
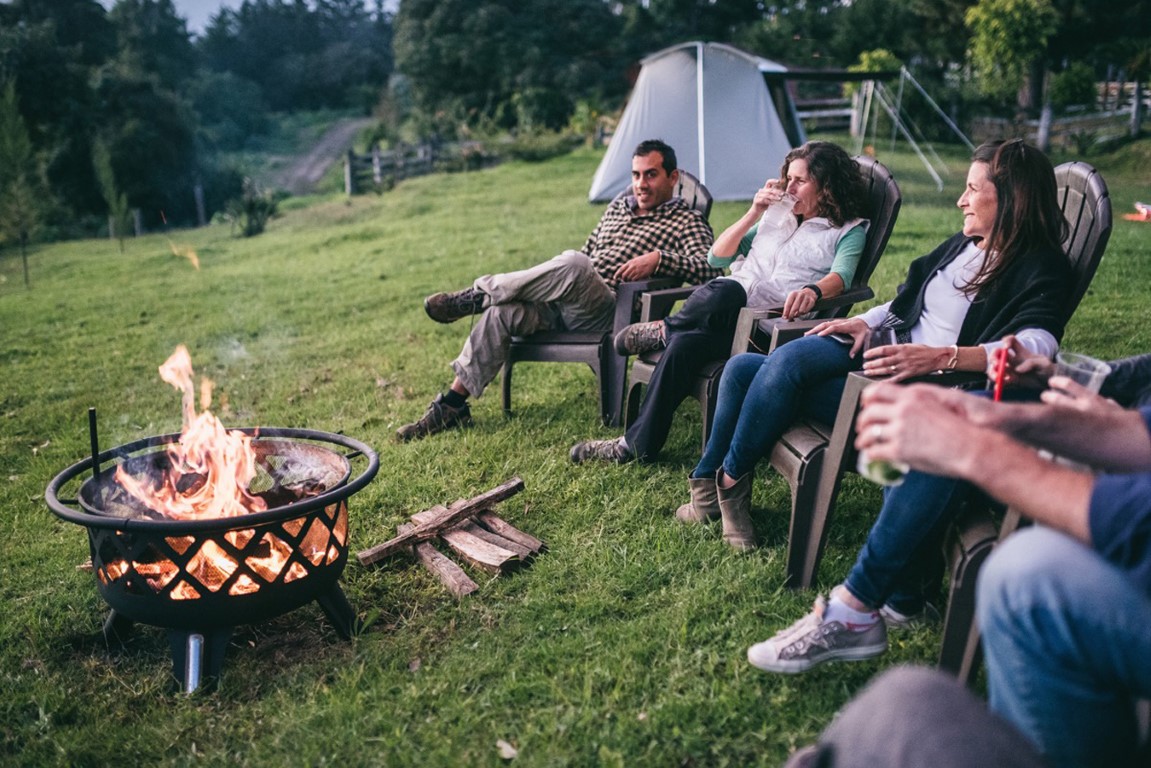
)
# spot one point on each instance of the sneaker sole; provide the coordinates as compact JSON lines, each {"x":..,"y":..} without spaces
{"x":791,"y":667}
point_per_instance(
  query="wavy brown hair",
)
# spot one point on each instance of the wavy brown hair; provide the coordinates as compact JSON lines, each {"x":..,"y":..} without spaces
{"x":842,"y":193}
{"x":1027,"y":215}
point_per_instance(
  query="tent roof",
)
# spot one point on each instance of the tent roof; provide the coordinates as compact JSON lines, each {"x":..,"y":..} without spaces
{"x":709,"y":101}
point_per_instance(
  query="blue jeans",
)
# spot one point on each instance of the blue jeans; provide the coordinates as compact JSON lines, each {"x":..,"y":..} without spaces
{"x":760,"y":396}
{"x":1067,"y":638}
{"x":901,"y":563}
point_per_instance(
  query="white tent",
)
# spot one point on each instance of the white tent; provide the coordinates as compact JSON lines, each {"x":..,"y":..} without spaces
{"x":711,"y":104}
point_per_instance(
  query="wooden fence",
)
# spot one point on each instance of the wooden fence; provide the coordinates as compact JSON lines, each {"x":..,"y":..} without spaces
{"x":381,"y":169}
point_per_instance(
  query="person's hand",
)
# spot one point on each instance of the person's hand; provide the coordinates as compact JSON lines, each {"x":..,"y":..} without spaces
{"x":771,"y":192}
{"x":897,"y":362}
{"x":639,"y":268}
{"x":854,"y":327}
{"x":925,"y":426}
{"x":1024,"y":367}
{"x":798,"y":303}
{"x":1067,"y":392}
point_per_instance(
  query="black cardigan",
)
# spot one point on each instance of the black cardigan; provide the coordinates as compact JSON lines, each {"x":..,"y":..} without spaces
{"x":1034,"y":292}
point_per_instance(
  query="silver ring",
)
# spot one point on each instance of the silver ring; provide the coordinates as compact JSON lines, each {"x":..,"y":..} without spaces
{"x":877,"y":433}
{"x":893,"y":369}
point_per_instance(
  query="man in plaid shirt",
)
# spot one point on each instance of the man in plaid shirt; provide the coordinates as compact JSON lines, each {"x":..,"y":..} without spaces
{"x":648,"y":233}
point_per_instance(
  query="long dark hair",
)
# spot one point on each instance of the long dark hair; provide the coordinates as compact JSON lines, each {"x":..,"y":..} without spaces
{"x":842,"y":193}
{"x":1027,"y":216}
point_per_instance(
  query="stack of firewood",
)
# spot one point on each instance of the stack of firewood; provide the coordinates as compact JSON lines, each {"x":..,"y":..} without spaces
{"x":475,"y":533}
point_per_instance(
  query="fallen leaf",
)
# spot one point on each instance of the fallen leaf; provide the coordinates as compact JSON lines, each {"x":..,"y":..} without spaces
{"x":507,"y":751}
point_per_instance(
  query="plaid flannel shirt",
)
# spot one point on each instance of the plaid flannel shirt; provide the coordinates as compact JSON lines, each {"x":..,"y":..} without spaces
{"x":680,"y":234}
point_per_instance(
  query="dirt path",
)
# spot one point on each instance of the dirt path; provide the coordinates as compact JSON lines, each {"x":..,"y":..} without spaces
{"x":304,"y":173}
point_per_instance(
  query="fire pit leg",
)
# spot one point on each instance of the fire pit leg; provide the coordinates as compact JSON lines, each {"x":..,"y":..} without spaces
{"x":339,"y":611}
{"x":198,"y":657}
{"x":117,"y":628}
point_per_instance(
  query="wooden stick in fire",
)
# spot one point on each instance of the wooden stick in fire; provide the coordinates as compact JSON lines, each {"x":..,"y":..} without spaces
{"x":446,"y":519}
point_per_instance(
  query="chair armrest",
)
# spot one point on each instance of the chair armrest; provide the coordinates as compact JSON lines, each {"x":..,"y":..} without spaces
{"x":828,"y":307}
{"x":745,"y":327}
{"x":627,"y":298}
{"x":656,"y":305}
{"x":782,"y":333}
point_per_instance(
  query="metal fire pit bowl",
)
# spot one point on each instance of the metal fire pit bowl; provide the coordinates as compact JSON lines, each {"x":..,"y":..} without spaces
{"x":167,"y":572}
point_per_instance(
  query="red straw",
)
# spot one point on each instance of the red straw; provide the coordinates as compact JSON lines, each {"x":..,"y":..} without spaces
{"x":1000,"y":369}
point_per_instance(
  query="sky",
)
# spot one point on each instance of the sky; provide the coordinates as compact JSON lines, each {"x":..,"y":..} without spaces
{"x":198,"y":12}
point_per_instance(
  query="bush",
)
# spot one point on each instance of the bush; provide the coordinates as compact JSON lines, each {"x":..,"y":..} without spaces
{"x":1074,"y":86}
{"x":537,"y":146}
{"x":252,"y":209}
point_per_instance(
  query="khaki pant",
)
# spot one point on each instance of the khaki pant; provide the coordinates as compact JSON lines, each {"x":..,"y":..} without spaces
{"x":563,"y":293}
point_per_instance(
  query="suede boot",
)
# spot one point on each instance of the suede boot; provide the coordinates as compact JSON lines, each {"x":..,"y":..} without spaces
{"x":704,"y":506}
{"x":735,"y":508}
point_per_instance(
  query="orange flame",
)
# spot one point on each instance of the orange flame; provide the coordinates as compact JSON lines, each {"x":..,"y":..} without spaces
{"x":211,"y":467}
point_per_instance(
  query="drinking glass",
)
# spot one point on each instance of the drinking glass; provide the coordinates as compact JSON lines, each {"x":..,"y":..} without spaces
{"x":1082,"y":369}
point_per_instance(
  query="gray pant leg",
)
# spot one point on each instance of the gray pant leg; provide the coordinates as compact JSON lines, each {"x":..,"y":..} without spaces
{"x":562,"y":293}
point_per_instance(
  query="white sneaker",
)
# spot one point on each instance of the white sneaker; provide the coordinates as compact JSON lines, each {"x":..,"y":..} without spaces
{"x":898,"y":622}
{"x":812,"y":641}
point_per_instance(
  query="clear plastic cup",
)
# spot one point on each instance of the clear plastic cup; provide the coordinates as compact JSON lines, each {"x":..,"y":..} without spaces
{"x":1082,"y":369}
{"x":880,"y":471}
{"x":778,"y":214}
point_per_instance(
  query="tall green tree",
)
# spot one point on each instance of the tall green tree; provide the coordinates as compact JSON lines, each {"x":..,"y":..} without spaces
{"x":119,"y":210}
{"x":1008,"y":43}
{"x":152,"y":39}
{"x":494,"y":61}
{"x":23,"y":197}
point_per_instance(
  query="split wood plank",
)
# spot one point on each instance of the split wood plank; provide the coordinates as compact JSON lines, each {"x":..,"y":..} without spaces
{"x":497,"y":524}
{"x":473,"y":549}
{"x":442,"y":567}
{"x":432,"y":526}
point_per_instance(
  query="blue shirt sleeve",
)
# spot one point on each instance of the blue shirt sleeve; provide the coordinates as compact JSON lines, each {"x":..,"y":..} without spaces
{"x":1120,"y":520}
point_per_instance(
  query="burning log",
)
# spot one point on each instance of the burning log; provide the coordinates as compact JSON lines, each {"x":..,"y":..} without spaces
{"x":450,"y":575}
{"x":432,"y":526}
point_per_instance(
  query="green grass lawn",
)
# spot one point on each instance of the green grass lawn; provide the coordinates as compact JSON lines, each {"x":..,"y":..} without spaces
{"x":623,"y":645}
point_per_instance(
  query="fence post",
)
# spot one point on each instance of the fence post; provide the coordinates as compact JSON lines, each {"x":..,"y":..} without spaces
{"x":377,"y":175}
{"x":349,"y":178}
{"x":198,"y":194}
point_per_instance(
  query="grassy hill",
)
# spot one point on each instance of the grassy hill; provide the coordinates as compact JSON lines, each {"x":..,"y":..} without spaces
{"x":623,"y":645}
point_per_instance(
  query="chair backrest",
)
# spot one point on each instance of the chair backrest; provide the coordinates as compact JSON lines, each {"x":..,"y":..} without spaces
{"x":694,"y":193}
{"x":885,"y":200}
{"x":1086,"y":206}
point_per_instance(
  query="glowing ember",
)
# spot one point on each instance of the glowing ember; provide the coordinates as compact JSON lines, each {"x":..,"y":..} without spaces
{"x":211,"y":467}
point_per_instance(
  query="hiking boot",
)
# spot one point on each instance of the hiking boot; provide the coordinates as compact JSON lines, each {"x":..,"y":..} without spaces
{"x":638,"y":338}
{"x":704,"y":504}
{"x":439,"y":417}
{"x":811,"y":641}
{"x":735,"y":509}
{"x":450,"y":307}
{"x":602,"y":450}
{"x":898,"y":622}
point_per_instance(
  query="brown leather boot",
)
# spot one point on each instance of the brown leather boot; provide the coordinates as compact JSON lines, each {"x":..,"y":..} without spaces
{"x":735,"y":509}
{"x":704,"y":506}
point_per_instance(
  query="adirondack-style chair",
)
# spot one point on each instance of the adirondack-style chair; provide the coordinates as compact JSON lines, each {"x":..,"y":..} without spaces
{"x":751,"y":333}
{"x":595,"y":348}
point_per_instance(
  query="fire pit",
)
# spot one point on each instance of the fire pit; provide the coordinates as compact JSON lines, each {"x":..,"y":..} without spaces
{"x":199,"y":578}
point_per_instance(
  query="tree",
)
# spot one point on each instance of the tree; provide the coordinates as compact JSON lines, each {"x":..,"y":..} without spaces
{"x":119,"y":211}
{"x":22,"y":193}
{"x":493,"y":62}
{"x":153,"y":40}
{"x":1008,"y":42}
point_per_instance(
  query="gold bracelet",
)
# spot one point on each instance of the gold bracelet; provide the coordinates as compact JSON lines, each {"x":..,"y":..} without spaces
{"x":954,"y":361}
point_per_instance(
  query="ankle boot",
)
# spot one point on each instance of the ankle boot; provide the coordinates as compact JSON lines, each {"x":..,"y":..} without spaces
{"x":704,"y":506}
{"x":735,"y":508}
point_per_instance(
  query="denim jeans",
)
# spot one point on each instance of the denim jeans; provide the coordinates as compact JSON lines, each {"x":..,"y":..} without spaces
{"x":1067,"y":638}
{"x":760,"y":396}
